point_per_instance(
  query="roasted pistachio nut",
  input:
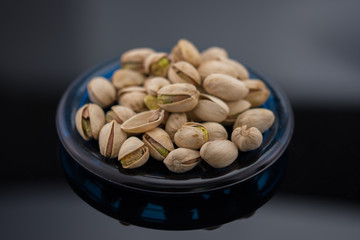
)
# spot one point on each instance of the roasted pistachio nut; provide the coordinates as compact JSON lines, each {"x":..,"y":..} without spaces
{"x":143,"y":122}
{"x":89,"y":120}
{"x":258,"y":92}
{"x":215,"y":130}
{"x":174,"y":122}
{"x":219,"y":153}
{"x":225,"y":87}
{"x":191,"y":135}
{"x":134,"y":58}
{"x":186,"y":51}
{"x":153,"y":85}
{"x":158,"y":142}
{"x":101,"y":92}
{"x":178,"y":97}
{"x":133,"y":153}
{"x":260,"y":118}
{"x":211,"y":109}
{"x":151,"y":102}
{"x":213,"y":53}
{"x":184,"y":72}
{"x":126,"y":78}
{"x":241,"y":72}
{"x":247,"y":139}
{"x":157,"y":64}
{"x":182,"y":160}
{"x":111,"y":138}
{"x":214,"y":66}
{"x":236,"y":108}
{"x":133,"y":100}
{"x":119,"y":113}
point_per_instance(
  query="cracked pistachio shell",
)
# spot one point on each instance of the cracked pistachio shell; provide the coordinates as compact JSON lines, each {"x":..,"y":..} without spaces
{"x":89,"y":120}
{"x":153,"y":85}
{"x":133,"y":98}
{"x":236,"y":108}
{"x":184,"y":72}
{"x":215,"y":130}
{"x":101,"y":91}
{"x":119,"y":113}
{"x":136,"y":147}
{"x":258,"y":93}
{"x":260,"y":118}
{"x":178,"y":97}
{"x":157,"y":64}
{"x":219,"y":153}
{"x":186,"y":51}
{"x":247,"y":139}
{"x":191,"y":135}
{"x":160,"y":144}
{"x":125,"y":78}
{"x":174,"y":122}
{"x":211,"y":109}
{"x":213,"y":53}
{"x":182,"y":160}
{"x":225,"y":87}
{"x":143,"y":122}
{"x":111,"y":138}
{"x":134,"y":58}
{"x":241,"y":72}
{"x":214,"y":66}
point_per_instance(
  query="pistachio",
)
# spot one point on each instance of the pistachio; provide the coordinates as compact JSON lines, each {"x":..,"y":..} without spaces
{"x":260,"y":118}
{"x":174,"y":122}
{"x":241,"y":72}
{"x":89,"y":120}
{"x":246,"y":139}
{"x":134,"y":58}
{"x":215,"y":130}
{"x":158,"y":142}
{"x":178,"y":97}
{"x":225,"y":87}
{"x":184,"y":72}
{"x":186,"y":51}
{"x":133,"y":153}
{"x":214,"y":66}
{"x":182,"y":160}
{"x":154,"y":84}
{"x":143,"y":122}
{"x":157,"y":64}
{"x":213,"y":53}
{"x":191,"y":135}
{"x":101,"y":91}
{"x":151,"y":102}
{"x":258,"y":93}
{"x":111,"y":138}
{"x":211,"y":109}
{"x":125,"y":78}
{"x":219,"y":153}
{"x":119,"y":113}
{"x":133,"y":98}
{"x":236,"y":108}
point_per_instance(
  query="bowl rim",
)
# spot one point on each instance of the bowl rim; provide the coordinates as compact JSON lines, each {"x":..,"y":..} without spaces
{"x":166,"y":186}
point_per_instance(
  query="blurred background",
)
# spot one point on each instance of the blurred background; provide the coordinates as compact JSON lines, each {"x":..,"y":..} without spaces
{"x":310,"y":48}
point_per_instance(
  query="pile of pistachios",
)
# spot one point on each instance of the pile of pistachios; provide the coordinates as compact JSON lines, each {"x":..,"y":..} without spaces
{"x":175,"y":107}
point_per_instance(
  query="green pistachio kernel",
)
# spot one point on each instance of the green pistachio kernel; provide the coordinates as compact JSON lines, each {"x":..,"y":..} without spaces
{"x":160,"y":67}
{"x":132,"y":157}
{"x":205,"y":132}
{"x":85,"y":123}
{"x":151,"y":102}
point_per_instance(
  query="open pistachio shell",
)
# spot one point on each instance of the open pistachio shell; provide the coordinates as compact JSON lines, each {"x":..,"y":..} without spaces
{"x":215,"y":130}
{"x":119,"y":113}
{"x":211,"y":109}
{"x":260,"y":118}
{"x":154,"y":84}
{"x":126,"y":78}
{"x":219,"y":153}
{"x":174,"y":122}
{"x":111,"y":138}
{"x":258,"y":93}
{"x":214,"y":66}
{"x":191,"y":135}
{"x":184,"y":72}
{"x":247,"y":139}
{"x":157,"y":64}
{"x":101,"y":91}
{"x":236,"y":108}
{"x":143,"y":122}
{"x":134,"y":59}
{"x":186,"y":51}
{"x":158,"y":142}
{"x":213,"y":53}
{"x":133,"y":153}
{"x":89,"y":120}
{"x":133,"y":98}
{"x":181,"y":160}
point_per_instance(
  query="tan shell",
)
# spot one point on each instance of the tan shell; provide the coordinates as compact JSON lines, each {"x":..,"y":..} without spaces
{"x":247,"y":139}
{"x":186,"y":69}
{"x":225,"y":87}
{"x":137,"y":57}
{"x":154,"y":84}
{"x":154,"y":58}
{"x":142,"y":122}
{"x":111,"y":138}
{"x":214,"y":66}
{"x":241,"y":72}
{"x":186,"y":51}
{"x":213,"y":53}
{"x":260,"y":118}
{"x":219,"y":153}
{"x":175,"y":121}
{"x":182,"y":160}
{"x":101,"y":91}
{"x":236,"y":107}
{"x":122,"y":113}
{"x":125,"y":78}
{"x":211,"y":109}
{"x":160,"y":136}
{"x":96,"y":118}
{"x":130,"y":145}
{"x":190,"y":137}
{"x":133,"y":100}
{"x":258,"y":92}
{"x":180,"y":89}
{"x":215,"y":130}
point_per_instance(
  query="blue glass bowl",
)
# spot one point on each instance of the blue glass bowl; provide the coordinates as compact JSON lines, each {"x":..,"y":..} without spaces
{"x":154,"y":197}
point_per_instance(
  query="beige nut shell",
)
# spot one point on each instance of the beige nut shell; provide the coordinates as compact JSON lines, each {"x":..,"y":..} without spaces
{"x":160,"y":136}
{"x":124,"y":113}
{"x":125,"y":78}
{"x":214,"y":66}
{"x":140,"y":123}
{"x":260,"y":118}
{"x":189,"y":136}
{"x":219,"y":153}
{"x":174,"y":122}
{"x":130,"y":145}
{"x":186,"y":51}
{"x":210,"y":108}
{"x":114,"y":131}
{"x":136,"y":55}
{"x":241,"y":71}
{"x":154,"y":84}
{"x":215,"y":130}
{"x":213,"y":53}
{"x":133,"y":100}
{"x":247,"y":139}
{"x":187,"y":69}
{"x":180,"y":160}
{"x":96,"y":117}
{"x":101,"y":91}
{"x":258,"y":94}
{"x":236,"y":107}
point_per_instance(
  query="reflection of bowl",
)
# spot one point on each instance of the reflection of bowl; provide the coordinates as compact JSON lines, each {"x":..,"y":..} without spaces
{"x":152,"y":196}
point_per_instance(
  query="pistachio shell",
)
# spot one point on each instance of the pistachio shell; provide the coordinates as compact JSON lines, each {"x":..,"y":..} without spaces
{"x":260,"y":118}
{"x":219,"y":153}
{"x":133,"y":100}
{"x":101,"y":91}
{"x":236,"y":107}
{"x":225,"y":87}
{"x":154,"y":84}
{"x":181,"y":160}
{"x":213,"y":53}
{"x":131,"y":145}
{"x":126,"y":78}
{"x":184,"y":72}
{"x":162,"y":139}
{"x":186,"y":51}
{"x":157,"y":64}
{"x":214,"y":66}
{"x":247,"y":139}
{"x":216,"y":130}
{"x":258,"y":92}
{"x":211,"y":109}
{"x":241,"y":72}
{"x":175,"y":121}
{"x":191,"y":135}
{"x":111,"y":138}
{"x":96,"y":118}
{"x":134,"y":59}
{"x":143,"y":122}
{"x":120,"y":114}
